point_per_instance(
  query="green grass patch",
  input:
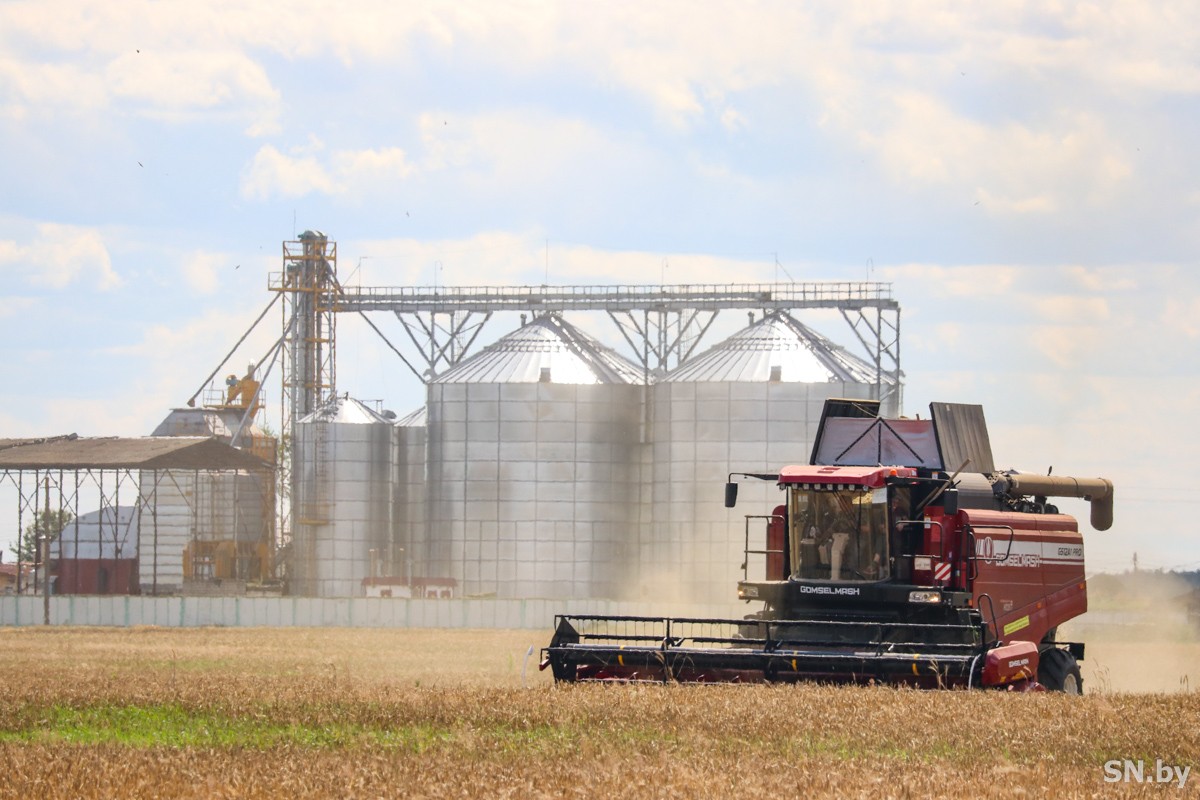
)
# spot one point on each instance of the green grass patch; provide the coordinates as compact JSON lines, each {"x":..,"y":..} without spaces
{"x":172,"y":726}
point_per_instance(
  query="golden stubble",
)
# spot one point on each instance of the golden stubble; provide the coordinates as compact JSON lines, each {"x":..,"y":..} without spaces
{"x":447,"y":714}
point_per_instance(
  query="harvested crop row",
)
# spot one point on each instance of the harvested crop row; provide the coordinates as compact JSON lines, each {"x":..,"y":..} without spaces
{"x":116,"y":713}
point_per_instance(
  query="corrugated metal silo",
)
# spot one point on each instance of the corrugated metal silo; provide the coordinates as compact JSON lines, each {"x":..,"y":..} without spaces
{"x":342,"y":516}
{"x":410,"y":488}
{"x":533,"y":466}
{"x":195,"y":512}
{"x":749,"y":404}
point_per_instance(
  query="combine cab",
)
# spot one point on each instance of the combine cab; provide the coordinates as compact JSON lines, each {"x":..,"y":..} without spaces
{"x":898,"y":574}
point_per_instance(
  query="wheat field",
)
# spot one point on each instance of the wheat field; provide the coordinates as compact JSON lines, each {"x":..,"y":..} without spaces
{"x":316,"y":713}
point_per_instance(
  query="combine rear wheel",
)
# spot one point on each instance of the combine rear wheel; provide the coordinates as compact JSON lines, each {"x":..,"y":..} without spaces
{"x":1058,"y":671}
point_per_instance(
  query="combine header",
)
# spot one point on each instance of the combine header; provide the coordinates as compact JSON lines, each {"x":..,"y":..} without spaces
{"x":880,"y":566}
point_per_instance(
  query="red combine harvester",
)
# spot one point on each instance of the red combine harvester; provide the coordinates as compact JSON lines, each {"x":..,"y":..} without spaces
{"x":880,"y":566}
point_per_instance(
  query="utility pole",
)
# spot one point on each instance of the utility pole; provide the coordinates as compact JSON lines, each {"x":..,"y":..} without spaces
{"x":45,"y":548}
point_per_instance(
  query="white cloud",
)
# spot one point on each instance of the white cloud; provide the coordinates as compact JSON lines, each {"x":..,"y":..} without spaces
{"x":201,"y":271}
{"x":1014,"y":324}
{"x":1070,"y":308}
{"x":273,"y":173}
{"x":665,"y":50}
{"x":732,"y":120}
{"x":515,"y":147}
{"x":61,"y":255}
{"x":582,"y":263}
{"x":26,"y":84}
{"x":1181,"y":315}
{"x":307,"y":170}
{"x":178,"y":85}
{"x":175,"y":355}
{"x":890,"y":79}
{"x":174,"y":88}
{"x":1009,"y":168}
{"x":163,"y":342}
{"x":356,"y":167}
{"x":1063,"y":346}
{"x":488,"y":152}
{"x":499,"y":258}
{"x":1103,"y":280}
{"x":492,"y":258}
{"x":11,"y":306}
{"x":959,"y":281}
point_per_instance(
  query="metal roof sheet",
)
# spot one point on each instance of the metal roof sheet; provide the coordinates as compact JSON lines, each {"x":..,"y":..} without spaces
{"x":345,"y":410}
{"x":547,"y":343}
{"x":413,"y":419}
{"x":776,"y":341}
{"x":147,"y":452}
{"x":219,"y":422}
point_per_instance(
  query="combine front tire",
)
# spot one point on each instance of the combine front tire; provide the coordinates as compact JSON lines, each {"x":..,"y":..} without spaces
{"x":1058,"y":671}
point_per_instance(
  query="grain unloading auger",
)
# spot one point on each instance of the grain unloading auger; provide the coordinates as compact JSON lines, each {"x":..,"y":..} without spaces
{"x":880,"y":566}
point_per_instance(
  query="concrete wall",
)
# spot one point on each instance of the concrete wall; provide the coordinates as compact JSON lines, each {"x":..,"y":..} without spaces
{"x":357,"y":612}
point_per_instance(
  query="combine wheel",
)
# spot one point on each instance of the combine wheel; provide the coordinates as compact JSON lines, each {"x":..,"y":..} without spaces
{"x":1058,"y":671}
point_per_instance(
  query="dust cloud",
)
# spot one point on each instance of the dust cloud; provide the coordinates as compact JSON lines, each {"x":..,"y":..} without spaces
{"x":1142,"y":634}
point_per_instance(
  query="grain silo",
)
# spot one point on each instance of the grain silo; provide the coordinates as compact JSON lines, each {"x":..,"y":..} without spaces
{"x":533,"y":466}
{"x":207,"y":527}
{"x":342,"y":511}
{"x":749,"y":404}
{"x":409,"y":485}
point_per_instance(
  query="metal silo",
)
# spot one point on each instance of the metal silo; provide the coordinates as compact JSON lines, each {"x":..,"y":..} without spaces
{"x":343,"y":506}
{"x":409,"y":485}
{"x":749,"y":404}
{"x":207,"y":526}
{"x":533,"y":466}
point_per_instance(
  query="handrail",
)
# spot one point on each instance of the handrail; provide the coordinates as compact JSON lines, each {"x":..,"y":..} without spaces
{"x":1011,"y":536}
{"x":616,"y":297}
{"x":941,"y":529}
{"x":995,"y":626}
{"x":747,"y":552}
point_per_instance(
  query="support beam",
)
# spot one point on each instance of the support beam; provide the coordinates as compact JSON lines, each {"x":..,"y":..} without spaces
{"x":664,"y":325}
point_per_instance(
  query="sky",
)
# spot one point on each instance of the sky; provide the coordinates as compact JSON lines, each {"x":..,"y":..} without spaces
{"x":1022,"y":174}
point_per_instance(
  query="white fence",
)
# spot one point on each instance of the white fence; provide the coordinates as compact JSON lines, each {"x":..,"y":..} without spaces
{"x":357,"y":612}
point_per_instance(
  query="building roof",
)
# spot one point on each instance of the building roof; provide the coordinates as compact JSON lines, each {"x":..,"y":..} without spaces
{"x":147,"y":452}
{"x":548,"y":349}
{"x":776,"y":348}
{"x":219,"y":422}
{"x":345,"y":410}
{"x":413,"y":419}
